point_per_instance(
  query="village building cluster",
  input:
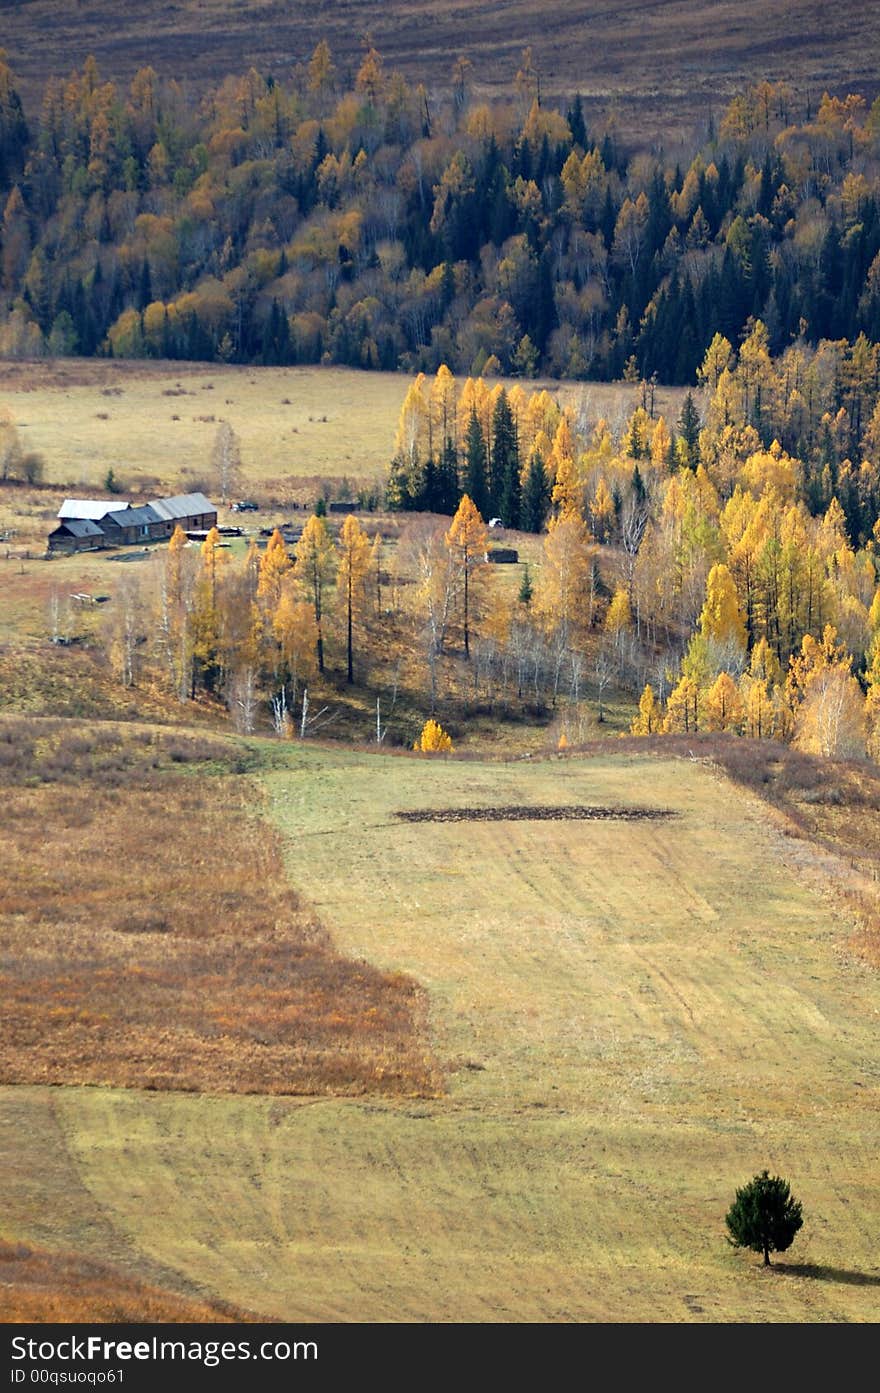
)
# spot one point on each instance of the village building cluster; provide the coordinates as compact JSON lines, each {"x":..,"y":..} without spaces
{"x":89,"y":524}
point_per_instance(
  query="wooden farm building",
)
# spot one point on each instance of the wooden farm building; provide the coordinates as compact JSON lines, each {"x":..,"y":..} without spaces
{"x":87,"y":524}
{"x":193,"y":511}
{"x":76,"y":534}
{"x":131,"y":525}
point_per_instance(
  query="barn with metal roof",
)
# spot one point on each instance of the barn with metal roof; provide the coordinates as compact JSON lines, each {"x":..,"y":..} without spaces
{"x":192,"y":511}
{"x":92,"y":509}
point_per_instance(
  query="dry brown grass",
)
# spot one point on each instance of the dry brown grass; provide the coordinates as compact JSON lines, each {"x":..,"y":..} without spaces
{"x":36,"y":1285}
{"x":43,"y":679}
{"x":149,"y":938}
{"x":296,"y":426}
{"x":659,"y":66}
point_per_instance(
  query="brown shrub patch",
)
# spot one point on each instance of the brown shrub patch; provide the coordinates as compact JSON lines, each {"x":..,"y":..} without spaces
{"x":37,"y":1285}
{"x":148,"y":937}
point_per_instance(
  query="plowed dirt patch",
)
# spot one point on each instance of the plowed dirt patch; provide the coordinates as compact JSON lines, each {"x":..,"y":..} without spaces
{"x":577,"y":812}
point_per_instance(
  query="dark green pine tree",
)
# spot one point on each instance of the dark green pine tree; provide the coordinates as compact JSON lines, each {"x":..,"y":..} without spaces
{"x":576,"y":124}
{"x":447,"y":286}
{"x":13,"y":130}
{"x":398,"y":495}
{"x":428,"y":497}
{"x":448,"y":492}
{"x":545,"y":319}
{"x":145,"y":287}
{"x":764,"y":1216}
{"x":689,"y":430}
{"x":671,"y":455}
{"x":638,"y":485}
{"x":504,"y":487}
{"x":525,"y":587}
{"x":535,"y":502}
{"x":475,"y":466}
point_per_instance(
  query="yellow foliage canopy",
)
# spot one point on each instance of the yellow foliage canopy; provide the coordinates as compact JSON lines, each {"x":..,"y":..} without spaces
{"x":433,"y":739}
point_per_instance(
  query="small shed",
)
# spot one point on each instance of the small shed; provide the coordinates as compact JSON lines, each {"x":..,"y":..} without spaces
{"x":342,"y":505}
{"x":76,"y":534}
{"x":502,"y":556}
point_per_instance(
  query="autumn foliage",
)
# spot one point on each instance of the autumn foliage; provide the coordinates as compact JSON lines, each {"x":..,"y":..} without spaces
{"x":317,"y":216}
{"x":433,"y":739}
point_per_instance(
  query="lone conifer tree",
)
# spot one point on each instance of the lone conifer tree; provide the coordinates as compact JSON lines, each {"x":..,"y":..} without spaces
{"x":689,"y":430}
{"x":476,"y":464}
{"x":764,"y":1216}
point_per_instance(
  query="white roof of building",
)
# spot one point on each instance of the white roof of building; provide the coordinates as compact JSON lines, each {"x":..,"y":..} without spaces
{"x":92,"y":509}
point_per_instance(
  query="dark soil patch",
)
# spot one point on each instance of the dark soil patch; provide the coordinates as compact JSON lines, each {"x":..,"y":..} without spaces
{"x":574,"y":812}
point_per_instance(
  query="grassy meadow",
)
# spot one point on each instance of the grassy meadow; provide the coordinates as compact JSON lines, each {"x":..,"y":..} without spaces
{"x":632,"y":1018}
{"x":365,"y":1068}
{"x":155,"y":424}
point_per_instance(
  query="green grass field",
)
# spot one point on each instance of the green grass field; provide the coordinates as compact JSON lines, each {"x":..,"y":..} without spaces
{"x":635,"y":1018}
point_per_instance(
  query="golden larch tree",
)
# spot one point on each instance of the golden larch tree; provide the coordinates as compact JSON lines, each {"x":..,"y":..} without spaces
{"x":442,"y":419}
{"x":314,"y":567}
{"x":682,"y":708}
{"x":565,"y":586}
{"x":661,"y":440}
{"x":649,"y":721}
{"x":827,"y":701}
{"x":721,"y":621}
{"x":568,"y":489}
{"x":295,"y":631}
{"x":723,"y":706}
{"x":175,"y":603}
{"x":205,"y":617}
{"x":354,"y":563}
{"x":602,"y":510}
{"x":433,"y":739}
{"x":872,"y":707}
{"x":466,"y":540}
{"x":759,"y":708}
{"x":412,"y":426}
{"x":274,"y":565}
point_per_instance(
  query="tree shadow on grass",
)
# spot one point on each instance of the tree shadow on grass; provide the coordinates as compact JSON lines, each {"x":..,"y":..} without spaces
{"x":829,"y":1274}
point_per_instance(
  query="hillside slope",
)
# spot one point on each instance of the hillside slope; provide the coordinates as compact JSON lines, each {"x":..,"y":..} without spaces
{"x":635,"y":1017}
{"x":655,"y":59}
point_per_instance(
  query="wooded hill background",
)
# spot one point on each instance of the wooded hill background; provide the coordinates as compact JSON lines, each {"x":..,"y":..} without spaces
{"x":353,"y":216}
